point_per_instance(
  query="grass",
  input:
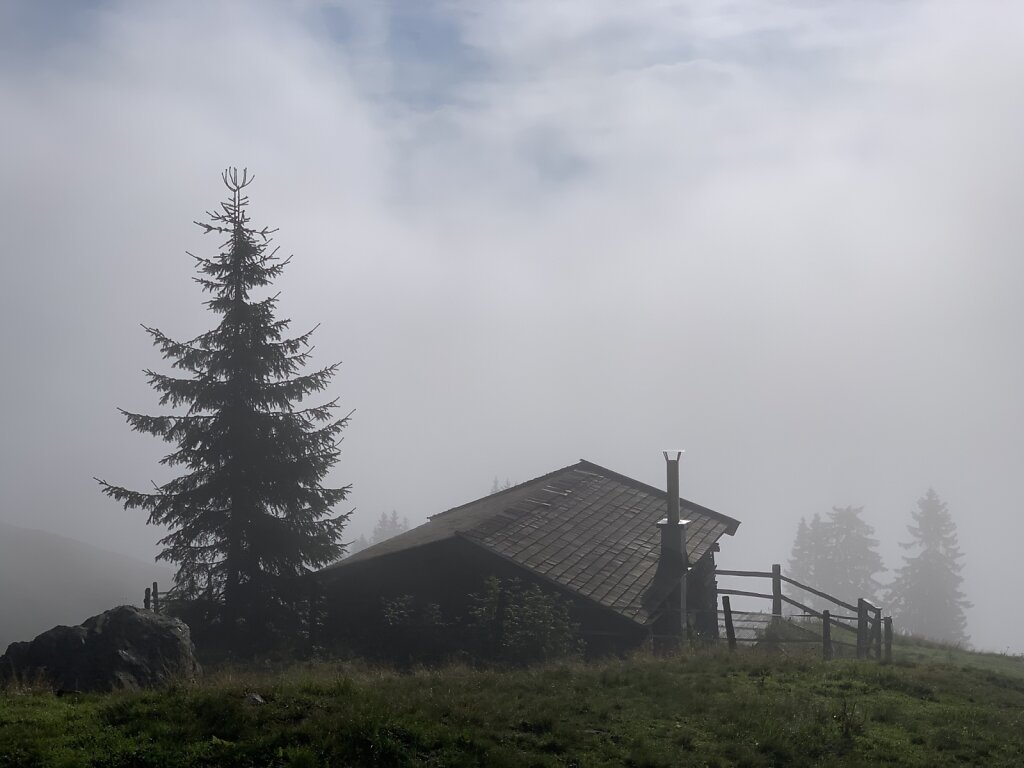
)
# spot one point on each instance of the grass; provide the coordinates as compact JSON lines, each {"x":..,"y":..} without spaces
{"x":934,"y":706}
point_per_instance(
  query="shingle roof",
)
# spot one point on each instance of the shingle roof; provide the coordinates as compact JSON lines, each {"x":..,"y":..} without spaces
{"x":590,"y":530}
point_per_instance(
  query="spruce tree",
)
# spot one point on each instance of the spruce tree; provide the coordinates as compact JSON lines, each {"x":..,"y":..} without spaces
{"x":837,"y":555}
{"x":925,"y":594}
{"x":803,"y":559}
{"x":851,"y":557}
{"x":249,"y":514}
{"x":358,"y":545}
{"x":388,"y":526}
{"x":497,"y":486}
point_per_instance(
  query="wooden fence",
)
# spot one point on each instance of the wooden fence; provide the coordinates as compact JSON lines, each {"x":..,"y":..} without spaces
{"x":160,"y":602}
{"x":872,"y":632}
{"x":151,"y":600}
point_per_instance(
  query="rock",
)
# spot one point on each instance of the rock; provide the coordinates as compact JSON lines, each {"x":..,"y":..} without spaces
{"x":123,"y":648}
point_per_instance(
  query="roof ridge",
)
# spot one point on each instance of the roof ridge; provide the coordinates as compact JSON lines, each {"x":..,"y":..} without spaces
{"x":583,"y":465}
{"x":733,"y":522}
{"x":503,"y":491}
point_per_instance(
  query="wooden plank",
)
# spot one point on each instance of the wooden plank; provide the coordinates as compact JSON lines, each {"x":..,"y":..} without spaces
{"x":730,"y":630}
{"x":823,"y":595}
{"x":761,"y":574}
{"x":826,"y":636}
{"x":777,"y":591}
{"x":835,"y":620}
{"x":876,"y":633}
{"x":862,"y":629}
{"x":800,"y":605}
{"x":744,"y":593}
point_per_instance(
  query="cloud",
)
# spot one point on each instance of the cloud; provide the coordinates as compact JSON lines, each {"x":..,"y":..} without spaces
{"x":783,"y":235}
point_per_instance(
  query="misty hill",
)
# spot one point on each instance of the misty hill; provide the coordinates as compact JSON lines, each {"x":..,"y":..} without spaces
{"x":46,"y":579}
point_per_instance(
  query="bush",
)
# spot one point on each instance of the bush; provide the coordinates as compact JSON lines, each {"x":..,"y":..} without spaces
{"x":506,"y":622}
{"x":521,"y":624}
{"x":414,"y":632}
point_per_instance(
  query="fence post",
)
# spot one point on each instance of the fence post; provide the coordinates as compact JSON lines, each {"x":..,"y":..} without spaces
{"x":499,"y":620}
{"x":730,"y":630}
{"x":156,"y":599}
{"x":862,"y":628}
{"x":876,"y":634}
{"x":776,"y":592}
{"x":315,"y":617}
{"x":826,"y":636}
{"x":888,"y":639}
{"x":146,"y":600}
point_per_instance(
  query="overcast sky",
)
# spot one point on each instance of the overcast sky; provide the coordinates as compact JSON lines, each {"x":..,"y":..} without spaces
{"x":784,"y":236}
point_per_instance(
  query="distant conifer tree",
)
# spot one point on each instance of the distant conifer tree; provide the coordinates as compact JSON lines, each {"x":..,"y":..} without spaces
{"x":837,"y":555}
{"x":388,"y":526}
{"x":925,"y":594}
{"x":249,"y":515}
{"x":801,"y":557}
{"x":497,"y":486}
{"x":851,"y":556}
{"x":356,"y":546}
{"x":804,"y":559}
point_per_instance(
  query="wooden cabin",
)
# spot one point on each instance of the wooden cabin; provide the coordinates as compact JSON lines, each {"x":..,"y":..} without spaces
{"x":600,"y":540}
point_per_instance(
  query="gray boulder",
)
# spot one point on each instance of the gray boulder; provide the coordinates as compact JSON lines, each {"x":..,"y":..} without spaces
{"x":123,"y":648}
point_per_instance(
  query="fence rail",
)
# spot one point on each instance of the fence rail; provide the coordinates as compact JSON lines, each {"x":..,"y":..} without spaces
{"x":873,"y":632}
{"x":761,"y":574}
{"x":744,"y":593}
{"x":158,"y":601}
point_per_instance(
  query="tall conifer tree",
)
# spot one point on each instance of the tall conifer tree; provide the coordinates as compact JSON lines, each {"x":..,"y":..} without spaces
{"x":925,"y":594}
{"x":249,"y":515}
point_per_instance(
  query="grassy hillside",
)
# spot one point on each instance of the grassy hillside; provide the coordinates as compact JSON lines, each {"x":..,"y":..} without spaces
{"x":932,"y":707}
{"x":46,"y":579}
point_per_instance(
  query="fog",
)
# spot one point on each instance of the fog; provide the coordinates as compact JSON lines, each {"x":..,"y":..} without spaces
{"x":783,"y":236}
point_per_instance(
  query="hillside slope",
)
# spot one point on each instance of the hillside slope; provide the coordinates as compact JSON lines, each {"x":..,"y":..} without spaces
{"x":706,"y":708}
{"x":46,"y":579}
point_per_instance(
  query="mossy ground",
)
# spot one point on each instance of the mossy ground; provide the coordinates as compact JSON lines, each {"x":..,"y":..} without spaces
{"x":933,"y":706}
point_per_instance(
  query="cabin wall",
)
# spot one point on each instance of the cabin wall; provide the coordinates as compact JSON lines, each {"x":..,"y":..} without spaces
{"x":702,"y":597}
{"x":444,"y":574}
